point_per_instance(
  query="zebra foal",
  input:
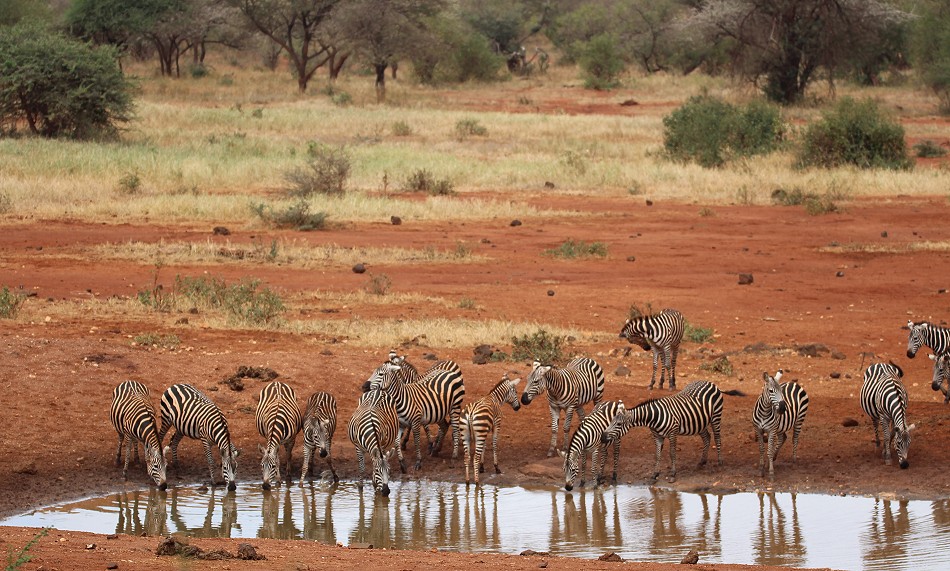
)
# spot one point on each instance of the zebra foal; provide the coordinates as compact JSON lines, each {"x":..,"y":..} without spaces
{"x":587,"y":438}
{"x":569,"y":388}
{"x":662,"y":332}
{"x":319,"y":424}
{"x":483,"y":417}
{"x":194,"y":415}
{"x":133,"y":417}
{"x":278,"y":421}
{"x":780,"y":406}
{"x":884,"y":399}
{"x":374,"y":430}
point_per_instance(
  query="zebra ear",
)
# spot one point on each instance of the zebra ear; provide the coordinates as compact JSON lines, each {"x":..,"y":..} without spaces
{"x":514,"y":382}
{"x":924,"y":325}
{"x":932,"y":357}
{"x":910,"y":323}
{"x":261,"y":449}
{"x":166,"y":451}
{"x":911,"y":427}
{"x":765,"y":376}
{"x":778,"y":375}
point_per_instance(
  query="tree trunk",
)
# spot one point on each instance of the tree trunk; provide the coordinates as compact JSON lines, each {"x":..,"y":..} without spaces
{"x":335,"y":64}
{"x":380,"y":82}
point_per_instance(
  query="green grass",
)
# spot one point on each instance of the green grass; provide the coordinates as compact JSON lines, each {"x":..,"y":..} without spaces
{"x":10,"y":303}
{"x":571,"y":249}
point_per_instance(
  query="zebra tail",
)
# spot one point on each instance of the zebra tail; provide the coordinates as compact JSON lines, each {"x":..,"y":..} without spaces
{"x":734,"y":393}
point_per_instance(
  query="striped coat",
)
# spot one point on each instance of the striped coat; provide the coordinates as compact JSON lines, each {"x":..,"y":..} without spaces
{"x":278,"y":421}
{"x":933,"y":336}
{"x":319,"y":424}
{"x":133,"y":417}
{"x":941,"y":375}
{"x":662,"y":333}
{"x":588,"y":439}
{"x":483,"y":417}
{"x":780,"y":406}
{"x":374,"y":430}
{"x":884,"y":399}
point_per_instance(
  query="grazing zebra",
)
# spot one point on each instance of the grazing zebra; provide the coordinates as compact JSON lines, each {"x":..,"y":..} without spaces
{"x":433,"y":399}
{"x":279,"y":421}
{"x":373,"y":430}
{"x":586,"y":438}
{"x":133,"y":417}
{"x":662,"y":332}
{"x":194,"y":415}
{"x":691,"y":411}
{"x":319,"y":424}
{"x":933,"y":336}
{"x":581,"y":381}
{"x":483,"y":417}
{"x":780,"y":406}
{"x":941,"y":375}
{"x":884,"y":399}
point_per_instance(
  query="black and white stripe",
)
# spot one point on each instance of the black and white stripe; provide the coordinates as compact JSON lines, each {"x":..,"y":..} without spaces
{"x":319,"y":424}
{"x":694,"y":410}
{"x":933,"y":336}
{"x":194,"y":415}
{"x":581,"y":381}
{"x":483,"y":417}
{"x":278,"y":420}
{"x":884,"y":399}
{"x":662,"y":332}
{"x":780,"y":406}
{"x":941,"y":375}
{"x":133,"y":417}
{"x":588,"y":438}
{"x":374,"y":430}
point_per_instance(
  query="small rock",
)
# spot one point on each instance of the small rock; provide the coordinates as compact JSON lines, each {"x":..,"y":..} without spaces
{"x":90,"y":546}
{"x":112,"y":536}
{"x":884,"y":234}
{"x":622,"y":371}
{"x":550,"y":293}
{"x":247,"y":552}
{"x":27,"y":470}
{"x":531,"y":552}
{"x":629,"y":102}
{"x":610,"y":557}
{"x":548,"y":184}
{"x":359,"y":268}
{"x":745,"y":279}
{"x":691,"y":558}
{"x":631,"y":258}
{"x":942,"y":290}
{"x":181,"y":321}
{"x":649,"y":202}
{"x":838,"y":355}
{"x":835,"y":375}
{"x":839,"y":274}
{"x":112,"y":565}
{"x":220,"y":231}
{"x":193,"y":311}
{"x":543,"y":565}
{"x":515,"y":222}
{"x":361,"y":546}
{"x":396,"y":221}
{"x":848,"y":422}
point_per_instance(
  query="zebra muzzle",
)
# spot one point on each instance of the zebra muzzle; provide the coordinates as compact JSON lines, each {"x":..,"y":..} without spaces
{"x":525,"y":399}
{"x":323,"y":453}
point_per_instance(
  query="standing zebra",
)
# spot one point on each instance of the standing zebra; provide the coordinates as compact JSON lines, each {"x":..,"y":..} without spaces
{"x":933,"y":336}
{"x":195,"y":416}
{"x":433,"y":399}
{"x":483,"y":417}
{"x":581,"y":381}
{"x":133,"y":417}
{"x":941,"y":375}
{"x":319,"y":424}
{"x":373,"y":430}
{"x":780,"y":406}
{"x":662,"y":332}
{"x":279,"y":421}
{"x":884,"y":399}
{"x":587,"y":437}
{"x":691,"y":411}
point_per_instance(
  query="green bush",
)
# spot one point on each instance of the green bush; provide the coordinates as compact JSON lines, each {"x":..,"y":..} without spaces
{"x":722,"y":365}
{"x":421,"y":180}
{"x":697,"y":334}
{"x":709,"y":131}
{"x":465,"y":128}
{"x":60,"y":87}
{"x":928,"y":149}
{"x":326,"y":172}
{"x":245,"y":302}
{"x":601,"y":62}
{"x":10,"y":303}
{"x":814,"y":203}
{"x":541,"y":345}
{"x":855,"y":133}
{"x":571,"y":249}
{"x":297,"y":216}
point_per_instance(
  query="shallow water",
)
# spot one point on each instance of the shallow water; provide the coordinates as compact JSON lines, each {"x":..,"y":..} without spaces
{"x":644,"y":524}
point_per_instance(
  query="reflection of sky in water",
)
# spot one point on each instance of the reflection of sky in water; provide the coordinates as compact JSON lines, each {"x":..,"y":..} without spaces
{"x":637,"y":523}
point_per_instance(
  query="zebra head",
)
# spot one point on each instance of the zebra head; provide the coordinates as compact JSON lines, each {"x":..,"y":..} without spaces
{"x":229,"y":454}
{"x":537,"y":383}
{"x":902,"y":445}
{"x":633,"y":332}
{"x":941,"y":373}
{"x":382,"y":377}
{"x":270,"y":466}
{"x":155,"y":463}
{"x":381,"y":471}
{"x":917,"y":337}
{"x":619,"y":425}
{"x":321,"y":436}
{"x":773,"y":392}
{"x":511,"y":392}
{"x":571,"y":465}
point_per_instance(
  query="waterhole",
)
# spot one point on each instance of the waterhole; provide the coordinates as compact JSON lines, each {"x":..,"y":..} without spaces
{"x":643,"y":524}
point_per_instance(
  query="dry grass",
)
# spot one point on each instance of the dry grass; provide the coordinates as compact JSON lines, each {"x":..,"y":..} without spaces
{"x":888,"y":248}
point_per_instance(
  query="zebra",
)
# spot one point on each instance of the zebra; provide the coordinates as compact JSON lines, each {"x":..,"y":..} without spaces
{"x":884,"y":399}
{"x":483,"y":417}
{"x":133,"y":417}
{"x":373,"y":430}
{"x":194,"y":415}
{"x":433,"y":399}
{"x":933,"y":336}
{"x":941,"y":375}
{"x":587,"y":437}
{"x":278,"y":420}
{"x":694,"y":410}
{"x":662,"y":332}
{"x":780,"y":406}
{"x":581,"y":381}
{"x":319,"y":424}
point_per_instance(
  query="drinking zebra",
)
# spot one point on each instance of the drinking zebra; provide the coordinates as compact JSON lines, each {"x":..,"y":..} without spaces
{"x":941,"y":375}
{"x":483,"y":417}
{"x":373,"y":430}
{"x":319,"y":424}
{"x":581,"y":381}
{"x":780,"y":406}
{"x":279,"y":421}
{"x":884,"y":399}
{"x":436,"y":398}
{"x":662,"y":332}
{"x":694,"y":410}
{"x":133,"y":417}
{"x":587,"y":438}
{"x":194,"y":415}
{"x":933,"y":336}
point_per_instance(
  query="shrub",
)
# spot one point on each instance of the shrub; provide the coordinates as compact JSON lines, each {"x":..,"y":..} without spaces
{"x":722,"y":365}
{"x":401,"y":129}
{"x":6,"y":203}
{"x":467,"y":303}
{"x":855,"y":133}
{"x":465,"y":128}
{"x":814,"y":203}
{"x":928,"y":149}
{"x":297,"y":216}
{"x":245,"y":302}
{"x":421,"y":180}
{"x":378,"y":284}
{"x":16,"y":559}
{"x":130,"y":183}
{"x":60,"y":87}
{"x":710,"y":131}
{"x":326,"y":172}
{"x":697,"y":334}
{"x":157,"y":340}
{"x":540,"y":345}
{"x":578,"y":249}
{"x":10,"y":303}
{"x":601,"y":62}
{"x":636,"y":311}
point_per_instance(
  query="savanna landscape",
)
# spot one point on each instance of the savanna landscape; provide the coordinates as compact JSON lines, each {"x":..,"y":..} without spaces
{"x":472,"y":223}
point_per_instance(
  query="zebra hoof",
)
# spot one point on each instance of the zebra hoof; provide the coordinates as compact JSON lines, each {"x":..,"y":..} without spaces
{"x":265,"y":486}
{"x":232,"y":486}
{"x":904,"y":464}
{"x":385,"y":491}
{"x":497,"y":469}
{"x":163,"y":486}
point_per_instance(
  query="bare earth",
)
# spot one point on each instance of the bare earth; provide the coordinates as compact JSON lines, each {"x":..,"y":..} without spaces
{"x":58,"y":375}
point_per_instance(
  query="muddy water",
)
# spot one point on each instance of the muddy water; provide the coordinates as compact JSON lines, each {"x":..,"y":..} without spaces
{"x":644,"y":524}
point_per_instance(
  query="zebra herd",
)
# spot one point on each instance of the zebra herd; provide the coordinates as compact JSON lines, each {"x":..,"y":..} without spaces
{"x":399,"y":401}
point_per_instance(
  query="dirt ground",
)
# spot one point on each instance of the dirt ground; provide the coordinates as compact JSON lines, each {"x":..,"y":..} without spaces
{"x":820,"y":313}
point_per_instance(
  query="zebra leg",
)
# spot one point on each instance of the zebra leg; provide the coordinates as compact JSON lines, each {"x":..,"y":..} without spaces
{"x":706,"y":438}
{"x":674,"y":351}
{"x":877,"y":438}
{"x":797,"y":431}
{"x":478,"y":461}
{"x":494,"y":444}
{"x":667,"y":366}
{"x":361,"y":460}
{"x":717,"y":437}
{"x":773,"y":449}
{"x":289,"y":446}
{"x":760,"y":438}
{"x":206,"y":442}
{"x":399,"y":438}
{"x":658,"y":441}
{"x":672,"y":477}
{"x":613,"y":479}
{"x":135,"y":448}
{"x":130,"y":443}
{"x":656,"y":357}
{"x":415,"y":437}
{"x":173,"y":444}
{"x":307,"y":457}
{"x":555,"y":415}
{"x":456,"y":433}
{"x":568,"y":417}
{"x":886,"y":429}
{"x":118,"y":453}
{"x":436,"y":448}
{"x":583,"y":471}
{"x":601,"y":453}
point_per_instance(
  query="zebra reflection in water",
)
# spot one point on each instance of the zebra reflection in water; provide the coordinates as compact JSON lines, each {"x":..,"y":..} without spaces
{"x":885,"y":540}
{"x":277,"y":515}
{"x":778,"y":540}
{"x":207,"y":528}
{"x":598,"y":526}
{"x":374,"y":528}
{"x":318,"y":521}
{"x":132,"y":504}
